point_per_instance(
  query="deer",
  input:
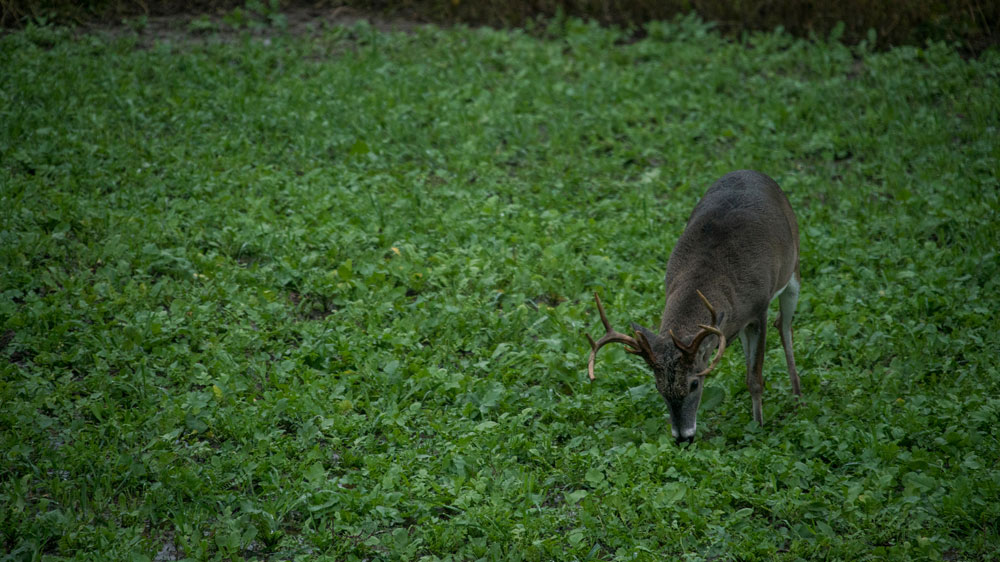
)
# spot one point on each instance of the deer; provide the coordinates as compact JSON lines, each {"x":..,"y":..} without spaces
{"x":738,"y":252}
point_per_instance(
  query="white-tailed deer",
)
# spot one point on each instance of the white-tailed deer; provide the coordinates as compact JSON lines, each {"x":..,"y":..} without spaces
{"x":739,"y":250}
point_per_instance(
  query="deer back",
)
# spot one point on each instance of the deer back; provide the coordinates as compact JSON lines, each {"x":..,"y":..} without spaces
{"x":740,"y":247}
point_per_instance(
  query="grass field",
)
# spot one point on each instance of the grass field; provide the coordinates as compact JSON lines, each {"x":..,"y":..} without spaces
{"x":324,"y":296}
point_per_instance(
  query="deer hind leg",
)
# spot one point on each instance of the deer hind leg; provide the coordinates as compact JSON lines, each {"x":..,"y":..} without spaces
{"x":787,"y":300}
{"x":752,"y":337}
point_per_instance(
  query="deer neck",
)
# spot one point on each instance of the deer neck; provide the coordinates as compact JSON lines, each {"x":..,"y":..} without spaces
{"x":683,"y":313}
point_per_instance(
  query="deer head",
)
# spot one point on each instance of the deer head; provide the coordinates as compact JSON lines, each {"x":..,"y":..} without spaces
{"x":678,"y":368}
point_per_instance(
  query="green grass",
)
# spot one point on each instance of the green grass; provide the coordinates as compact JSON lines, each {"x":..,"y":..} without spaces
{"x":325,"y":296}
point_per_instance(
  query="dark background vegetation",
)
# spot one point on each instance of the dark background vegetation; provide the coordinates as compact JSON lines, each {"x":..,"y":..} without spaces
{"x":972,"y":24}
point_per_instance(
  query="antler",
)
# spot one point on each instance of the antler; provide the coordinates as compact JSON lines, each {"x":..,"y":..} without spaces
{"x":692,"y":348}
{"x":610,"y":336}
{"x":706,"y":330}
{"x":708,"y":305}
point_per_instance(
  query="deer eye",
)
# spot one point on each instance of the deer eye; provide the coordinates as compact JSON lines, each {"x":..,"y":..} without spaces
{"x":694,"y":385}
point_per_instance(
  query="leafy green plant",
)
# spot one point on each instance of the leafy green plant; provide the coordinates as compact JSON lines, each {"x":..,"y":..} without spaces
{"x":325,"y":296}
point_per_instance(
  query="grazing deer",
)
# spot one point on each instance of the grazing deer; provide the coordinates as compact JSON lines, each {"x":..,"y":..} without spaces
{"x":739,"y":250}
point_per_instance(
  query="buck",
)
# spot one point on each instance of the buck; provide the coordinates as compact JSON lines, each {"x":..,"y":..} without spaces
{"x":739,"y":250}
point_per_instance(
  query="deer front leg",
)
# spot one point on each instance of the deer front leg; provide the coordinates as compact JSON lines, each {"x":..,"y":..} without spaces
{"x":752,"y":336}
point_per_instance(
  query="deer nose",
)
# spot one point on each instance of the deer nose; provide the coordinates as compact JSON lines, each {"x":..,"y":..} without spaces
{"x":689,"y":439}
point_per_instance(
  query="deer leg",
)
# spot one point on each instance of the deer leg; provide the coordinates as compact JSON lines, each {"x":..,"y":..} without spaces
{"x":786,"y":310}
{"x":753,"y":337}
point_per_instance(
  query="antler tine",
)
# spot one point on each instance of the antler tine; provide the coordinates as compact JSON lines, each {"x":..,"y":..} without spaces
{"x":680,"y":345}
{"x":708,"y":305}
{"x":705,"y":331}
{"x":600,"y":310}
{"x":610,"y":336}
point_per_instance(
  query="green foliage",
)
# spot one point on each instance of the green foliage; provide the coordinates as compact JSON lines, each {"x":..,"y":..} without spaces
{"x":306,"y":297}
